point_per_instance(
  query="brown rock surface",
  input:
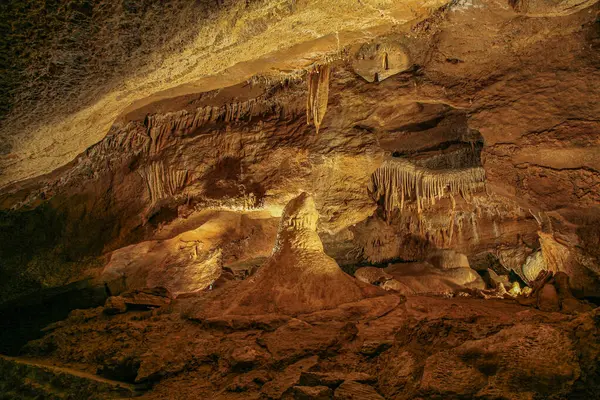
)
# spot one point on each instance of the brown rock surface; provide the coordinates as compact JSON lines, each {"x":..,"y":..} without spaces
{"x":148,"y":297}
{"x":353,"y":391}
{"x":464,"y":347}
{"x":115,"y":305}
{"x":312,"y":392}
{"x":412,"y":144}
{"x":521,"y":360}
{"x":410,"y":278}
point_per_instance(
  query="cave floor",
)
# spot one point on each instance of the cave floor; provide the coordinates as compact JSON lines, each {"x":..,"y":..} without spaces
{"x":389,"y":347}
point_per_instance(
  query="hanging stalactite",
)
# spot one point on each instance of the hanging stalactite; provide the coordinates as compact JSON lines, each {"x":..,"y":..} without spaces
{"x":160,"y":127}
{"x":398,"y":180}
{"x":384,"y":61}
{"x":318,"y":94}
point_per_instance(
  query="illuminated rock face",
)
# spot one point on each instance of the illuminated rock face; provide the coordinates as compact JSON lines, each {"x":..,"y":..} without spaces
{"x":431,"y":136}
{"x":227,"y":166}
{"x":298,"y":277}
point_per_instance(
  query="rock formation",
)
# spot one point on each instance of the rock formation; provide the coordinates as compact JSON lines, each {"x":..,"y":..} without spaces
{"x":398,"y":180}
{"x":298,"y":277}
{"x":318,"y":94}
{"x":154,"y":239}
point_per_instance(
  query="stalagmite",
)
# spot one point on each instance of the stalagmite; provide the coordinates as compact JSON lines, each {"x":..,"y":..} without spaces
{"x":397,"y":178}
{"x":318,"y":94}
{"x":298,"y":277}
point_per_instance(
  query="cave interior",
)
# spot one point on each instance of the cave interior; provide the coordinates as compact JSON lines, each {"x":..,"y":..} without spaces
{"x":300,"y":200}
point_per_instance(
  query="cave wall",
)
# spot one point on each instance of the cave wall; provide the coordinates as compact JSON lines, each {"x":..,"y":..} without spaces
{"x":511,"y":93}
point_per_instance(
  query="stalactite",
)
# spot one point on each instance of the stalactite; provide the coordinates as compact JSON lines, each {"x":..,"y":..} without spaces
{"x":162,"y":182}
{"x":161,"y":127}
{"x":475,"y":229}
{"x":318,"y":94}
{"x":129,"y":139}
{"x":398,"y":178}
{"x":278,"y":78}
{"x":452,"y":217}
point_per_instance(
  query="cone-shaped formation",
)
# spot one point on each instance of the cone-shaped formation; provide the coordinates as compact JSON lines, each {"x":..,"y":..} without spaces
{"x":299,"y":277}
{"x":318,"y":94}
{"x":398,"y":180}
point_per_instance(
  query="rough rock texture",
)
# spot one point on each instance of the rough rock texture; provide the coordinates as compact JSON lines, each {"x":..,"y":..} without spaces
{"x":113,"y":58}
{"x":372,"y":275}
{"x":115,"y":305}
{"x":298,"y":277}
{"x":425,"y":278}
{"x":551,"y":292}
{"x":28,"y":379}
{"x":425,"y":347}
{"x":196,"y":258}
{"x":525,"y":361}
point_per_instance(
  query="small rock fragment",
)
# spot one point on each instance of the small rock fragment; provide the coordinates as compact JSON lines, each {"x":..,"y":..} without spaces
{"x":312,"y":393}
{"x":350,"y":390}
{"x":333,"y":379}
{"x":115,"y":305}
{"x":374,"y":347}
{"x":243,"y":357}
{"x":147,"y":298}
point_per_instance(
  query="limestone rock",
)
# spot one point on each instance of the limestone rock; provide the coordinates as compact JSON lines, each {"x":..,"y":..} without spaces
{"x":268,"y":322}
{"x":399,"y":369}
{"x":443,"y":375}
{"x":534,"y":264}
{"x":495,"y":279}
{"x":448,"y":259}
{"x":147,"y":298}
{"x":378,"y":61}
{"x":474,"y":349}
{"x":333,"y":379}
{"x":22,"y":379}
{"x":568,"y":302}
{"x":298,"y":338}
{"x":252,"y":380}
{"x":115,"y":305}
{"x":370,"y":308}
{"x":425,"y":278}
{"x":545,"y":8}
{"x":397,"y":286}
{"x":374,"y":347}
{"x":244,"y":357}
{"x":515,"y":289}
{"x":312,"y":393}
{"x":511,"y":363}
{"x":372,"y":275}
{"x":289,"y":378}
{"x":350,"y":390}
